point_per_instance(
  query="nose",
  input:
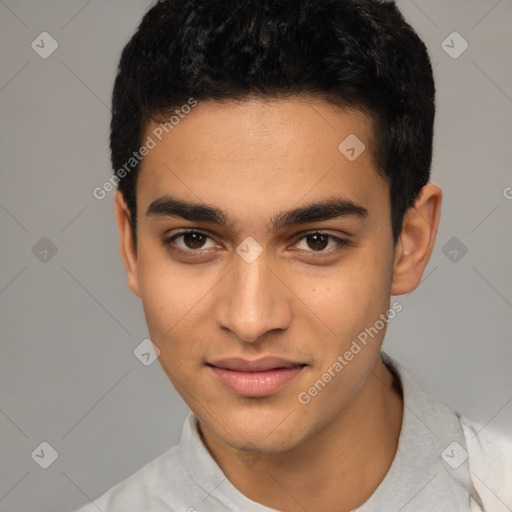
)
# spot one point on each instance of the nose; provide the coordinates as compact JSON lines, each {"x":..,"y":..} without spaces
{"x":252,"y":301}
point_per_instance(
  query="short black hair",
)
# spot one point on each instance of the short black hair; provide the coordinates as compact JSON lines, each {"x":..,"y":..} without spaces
{"x":358,"y":54}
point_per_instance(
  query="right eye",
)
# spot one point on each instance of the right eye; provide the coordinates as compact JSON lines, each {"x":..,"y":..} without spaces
{"x":189,"y":242}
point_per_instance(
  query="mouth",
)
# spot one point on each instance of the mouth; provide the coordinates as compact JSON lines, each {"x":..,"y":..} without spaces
{"x":258,"y":378}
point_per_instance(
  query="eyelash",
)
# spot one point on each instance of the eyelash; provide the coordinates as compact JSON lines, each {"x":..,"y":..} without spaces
{"x":341,"y":243}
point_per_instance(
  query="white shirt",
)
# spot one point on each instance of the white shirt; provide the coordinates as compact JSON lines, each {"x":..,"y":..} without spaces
{"x":444,"y":463}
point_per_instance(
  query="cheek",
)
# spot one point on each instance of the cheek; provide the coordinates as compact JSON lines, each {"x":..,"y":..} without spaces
{"x":174,"y":299}
{"x":350,"y":304}
{"x":167,"y":289}
{"x":349,"y":298}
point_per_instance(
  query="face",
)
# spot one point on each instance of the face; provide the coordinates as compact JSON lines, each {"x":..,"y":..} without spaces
{"x":258,"y":238}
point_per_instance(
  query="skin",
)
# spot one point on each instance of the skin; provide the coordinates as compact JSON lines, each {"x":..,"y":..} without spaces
{"x":253,"y":160}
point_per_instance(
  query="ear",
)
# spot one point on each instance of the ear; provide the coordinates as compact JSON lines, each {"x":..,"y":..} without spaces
{"x":128,"y":251}
{"x":417,"y":238}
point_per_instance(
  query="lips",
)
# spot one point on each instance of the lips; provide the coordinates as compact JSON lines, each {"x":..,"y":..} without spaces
{"x":257,"y":378}
{"x":258,"y":365}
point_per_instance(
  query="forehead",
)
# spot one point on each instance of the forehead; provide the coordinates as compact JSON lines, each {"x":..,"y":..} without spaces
{"x":248,"y":128}
{"x":282,"y":151}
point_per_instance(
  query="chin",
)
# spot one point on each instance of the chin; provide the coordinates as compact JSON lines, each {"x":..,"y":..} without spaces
{"x":270,"y":430}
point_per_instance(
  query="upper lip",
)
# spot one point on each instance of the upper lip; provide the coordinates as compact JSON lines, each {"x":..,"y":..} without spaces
{"x":257,"y":365}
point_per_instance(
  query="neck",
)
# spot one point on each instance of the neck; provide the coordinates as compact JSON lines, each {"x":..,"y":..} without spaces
{"x":338,"y":468}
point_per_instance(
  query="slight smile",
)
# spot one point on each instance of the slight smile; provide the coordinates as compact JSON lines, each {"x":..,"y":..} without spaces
{"x":257,"y":378}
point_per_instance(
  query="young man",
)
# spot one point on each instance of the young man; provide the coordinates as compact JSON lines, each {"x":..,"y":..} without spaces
{"x":273,"y":161}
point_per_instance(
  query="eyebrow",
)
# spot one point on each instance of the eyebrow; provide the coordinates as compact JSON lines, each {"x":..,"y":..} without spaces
{"x":314,"y":212}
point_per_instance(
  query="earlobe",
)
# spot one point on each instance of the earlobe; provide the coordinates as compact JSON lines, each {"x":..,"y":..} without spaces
{"x":416,"y":243}
{"x":126,"y":243}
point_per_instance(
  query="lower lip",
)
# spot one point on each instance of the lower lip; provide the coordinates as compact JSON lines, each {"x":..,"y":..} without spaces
{"x":256,"y":384}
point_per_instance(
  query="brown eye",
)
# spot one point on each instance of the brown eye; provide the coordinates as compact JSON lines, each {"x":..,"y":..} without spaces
{"x":189,"y":241}
{"x":194,"y":240}
{"x":317,"y":241}
{"x":322,"y":243}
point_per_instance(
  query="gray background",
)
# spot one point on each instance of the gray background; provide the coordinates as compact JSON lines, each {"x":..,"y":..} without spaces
{"x":69,"y":324}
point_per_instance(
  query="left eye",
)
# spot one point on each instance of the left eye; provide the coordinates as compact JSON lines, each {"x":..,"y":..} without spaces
{"x":318,"y":242}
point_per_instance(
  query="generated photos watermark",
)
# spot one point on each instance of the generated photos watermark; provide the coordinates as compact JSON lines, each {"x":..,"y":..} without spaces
{"x":344,"y":359}
{"x":149,"y":144}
